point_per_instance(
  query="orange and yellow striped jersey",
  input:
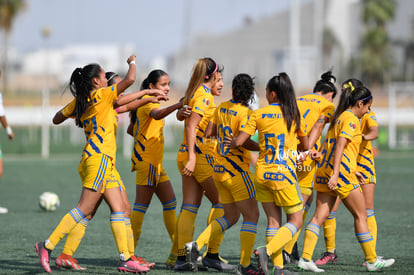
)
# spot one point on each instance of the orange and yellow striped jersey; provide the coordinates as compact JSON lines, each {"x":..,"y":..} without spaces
{"x":347,"y":126}
{"x":148,"y":136}
{"x":278,"y":146}
{"x":230,"y":117}
{"x":202,"y":103}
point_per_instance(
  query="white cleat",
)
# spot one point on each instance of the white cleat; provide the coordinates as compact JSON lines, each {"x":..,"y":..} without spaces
{"x":310,"y":266}
{"x":379,"y":264}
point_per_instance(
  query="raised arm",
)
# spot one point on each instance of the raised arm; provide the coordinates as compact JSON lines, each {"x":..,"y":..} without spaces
{"x":161,"y":113}
{"x":129,"y":79}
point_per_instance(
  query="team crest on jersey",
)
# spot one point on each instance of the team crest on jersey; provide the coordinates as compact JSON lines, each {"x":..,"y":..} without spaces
{"x":352,"y":126}
{"x":206,"y":102}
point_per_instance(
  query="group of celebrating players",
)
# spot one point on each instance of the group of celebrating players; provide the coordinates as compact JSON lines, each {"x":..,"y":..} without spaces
{"x":214,"y":160}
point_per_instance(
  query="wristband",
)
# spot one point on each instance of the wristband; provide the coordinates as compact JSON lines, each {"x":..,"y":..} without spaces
{"x":9,"y":130}
{"x":132,"y":62}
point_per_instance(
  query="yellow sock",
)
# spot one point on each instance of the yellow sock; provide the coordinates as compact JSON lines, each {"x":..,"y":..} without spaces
{"x":130,"y":236}
{"x":311,"y":238}
{"x":137,"y":218}
{"x":276,"y":258}
{"x":289,"y":246}
{"x":247,"y":239}
{"x":365,"y":241}
{"x":170,"y":217}
{"x":216,"y":211}
{"x":118,"y":230}
{"x":67,"y":223}
{"x":282,"y":236}
{"x":213,"y":230}
{"x":75,"y":237}
{"x":185,"y":226}
{"x":329,"y":230}
{"x":372,"y":226}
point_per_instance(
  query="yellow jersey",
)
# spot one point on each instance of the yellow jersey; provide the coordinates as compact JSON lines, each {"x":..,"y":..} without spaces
{"x":278,"y":147}
{"x":202,"y":103}
{"x":230,"y":118}
{"x":347,"y":126}
{"x":98,"y":123}
{"x":311,"y":107}
{"x":365,"y":160}
{"x":148,"y":136}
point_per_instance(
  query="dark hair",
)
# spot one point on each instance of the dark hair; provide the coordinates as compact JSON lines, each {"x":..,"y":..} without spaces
{"x":243,"y":88}
{"x":350,"y":98}
{"x":80,"y":86}
{"x":282,"y":86}
{"x":326,"y":84}
{"x":152,"y":78}
{"x":110,"y":76}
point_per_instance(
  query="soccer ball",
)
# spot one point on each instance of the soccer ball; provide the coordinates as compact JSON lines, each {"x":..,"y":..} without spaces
{"x":49,"y":201}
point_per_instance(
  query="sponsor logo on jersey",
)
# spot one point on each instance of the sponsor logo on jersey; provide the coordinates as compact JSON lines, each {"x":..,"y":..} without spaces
{"x":206,"y":102}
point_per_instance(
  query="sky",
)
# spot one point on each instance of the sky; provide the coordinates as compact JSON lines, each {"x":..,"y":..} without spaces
{"x":154,"y":28}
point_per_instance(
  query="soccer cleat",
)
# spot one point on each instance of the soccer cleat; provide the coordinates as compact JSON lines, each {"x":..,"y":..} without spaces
{"x":282,"y":271}
{"x":308,"y":265}
{"x":142,"y":261}
{"x":205,"y":254}
{"x":249,"y":270}
{"x":262,"y":259}
{"x":291,"y":258}
{"x":44,"y":255}
{"x":379,"y":264}
{"x":66,"y":261}
{"x":192,"y":253}
{"x":217,"y":264}
{"x":132,"y":266}
{"x":181,"y":265}
{"x":327,"y":257}
{"x":171,"y":261}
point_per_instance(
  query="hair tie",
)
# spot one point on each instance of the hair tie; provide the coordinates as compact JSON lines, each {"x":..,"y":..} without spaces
{"x":80,"y":71}
{"x":349,"y":85}
{"x":215,"y":70}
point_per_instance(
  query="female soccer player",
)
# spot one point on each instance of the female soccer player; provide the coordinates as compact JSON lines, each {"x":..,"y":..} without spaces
{"x":316,"y":110}
{"x":366,"y":176}
{"x":123,"y":104}
{"x":93,"y":110}
{"x":146,"y":126}
{"x":335,"y":176}
{"x":194,"y":159}
{"x":232,"y":176}
{"x":279,"y":125}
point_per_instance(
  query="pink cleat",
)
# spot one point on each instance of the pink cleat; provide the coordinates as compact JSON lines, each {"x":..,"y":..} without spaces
{"x":44,"y":255}
{"x":132,"y":266}
{"x":327,"y":257}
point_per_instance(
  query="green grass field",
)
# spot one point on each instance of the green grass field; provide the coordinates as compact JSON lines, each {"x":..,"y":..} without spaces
{"x":26,"y":177}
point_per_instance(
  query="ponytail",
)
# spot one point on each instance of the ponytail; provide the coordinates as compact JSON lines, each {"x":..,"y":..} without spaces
{"x":285,"y":93}
{"x":326,"y":84}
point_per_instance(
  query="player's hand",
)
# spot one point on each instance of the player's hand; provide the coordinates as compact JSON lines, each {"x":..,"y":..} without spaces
{"x":159,"y":98}
{"x":11,"y":136}
{"x":131,"y":58}
{"x":360,"y":178}
{"x":189,"y":168}
{"x":155,"y":92}
{"x":228,"y":141}
{"x":332,"y":183}
{"x":301,"y":157}
{"x":185,"y":111}
{"x":315,"y":155}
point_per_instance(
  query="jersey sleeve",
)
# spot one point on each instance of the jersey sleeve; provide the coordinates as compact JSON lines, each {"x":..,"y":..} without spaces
{"x":348,"y":128}
{"x":244,"y":118}
{"x":371,"y":120}
{"x":215,"y":116}
{"x":250,"y":126}
{"x":302,"y":129}
{"x":202,"y":103}
{"x":328,"y":111}
{"x":69,"y":110}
